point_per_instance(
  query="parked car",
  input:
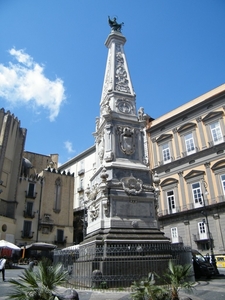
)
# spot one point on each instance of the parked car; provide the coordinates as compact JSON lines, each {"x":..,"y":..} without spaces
{"x":220,"y":261}
{"x":202,"y":267}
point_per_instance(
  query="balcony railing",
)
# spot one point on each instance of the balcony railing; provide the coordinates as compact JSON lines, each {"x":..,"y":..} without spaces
{"x":30,"y":195}
{"x":186,"y":153}
{"x":190,"y":206}
{"x":178,"y":240}
{"x":164,"y":162}
{"x":81,"y":172}
{"x":28,"y":214}
{"x":27,"y":234}
{"x":60,"y":241}
{"x":214,"y":143}
{"x":202,"y":238}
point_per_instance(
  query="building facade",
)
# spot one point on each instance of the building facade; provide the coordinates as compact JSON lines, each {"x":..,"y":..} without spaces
{"x":12,"y":140}
{"x":187,"y":151}
{"x":83,"y":167}
{"x":36,"y":200}
{"x":45,"y":202}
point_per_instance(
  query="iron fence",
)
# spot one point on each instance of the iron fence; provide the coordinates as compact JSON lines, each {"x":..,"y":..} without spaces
{"x":118,"y":266}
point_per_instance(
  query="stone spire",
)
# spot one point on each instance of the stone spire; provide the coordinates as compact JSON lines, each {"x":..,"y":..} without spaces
{"x":119,"y":124}
{"x":117,"y":81}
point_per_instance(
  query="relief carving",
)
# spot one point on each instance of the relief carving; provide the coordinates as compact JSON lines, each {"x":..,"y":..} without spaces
{"x":121,"y":74}
{"x":132,"y":185}
{"x":126,"y":139}
{"x":94,"y":213}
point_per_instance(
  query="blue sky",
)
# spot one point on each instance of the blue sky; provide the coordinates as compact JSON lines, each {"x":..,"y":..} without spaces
{"x":53,"y":58}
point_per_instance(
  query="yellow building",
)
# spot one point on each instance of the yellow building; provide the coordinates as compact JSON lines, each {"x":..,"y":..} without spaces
{"x":45,"y":209}
{"x":187,"y":151}
{"x":36,"y":200}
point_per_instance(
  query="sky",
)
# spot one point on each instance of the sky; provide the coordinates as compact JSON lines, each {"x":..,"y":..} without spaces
{"x":53,"y":59}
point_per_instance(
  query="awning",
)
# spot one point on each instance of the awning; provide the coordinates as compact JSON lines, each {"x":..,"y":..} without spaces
{"x":40,"y":246}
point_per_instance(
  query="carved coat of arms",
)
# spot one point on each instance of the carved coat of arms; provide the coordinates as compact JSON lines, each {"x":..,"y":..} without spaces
{"x":127,"y":139}
{"x":132,"y":185}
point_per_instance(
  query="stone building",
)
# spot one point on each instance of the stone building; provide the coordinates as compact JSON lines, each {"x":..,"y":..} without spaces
{"x":12,"y":140}
{"x":45,"y":195}
{"x":83,"y":167}
{"x":187,"y":150}
{"x":36,"y":200}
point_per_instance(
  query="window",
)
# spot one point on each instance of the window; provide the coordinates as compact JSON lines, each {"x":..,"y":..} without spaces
{"x":216,"y":133}
{"x":166,"y":153}
{"x":81,"y":168}
{"x":171,"y":202}
{"x":31,"y":190}
{"x":27,"y":229}
{"x":202,"y":231}
{"x":174,"y":235}
{"x":29,"y":208}
{"x":223,"y":182}
{"x":60,"y":235}
{"x":81,"y":184}
{"x":197,"y":195}
{"x":57,"y":204}
{"x":189,"y":143}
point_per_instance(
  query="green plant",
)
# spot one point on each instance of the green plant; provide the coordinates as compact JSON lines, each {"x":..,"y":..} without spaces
{"x":176,"y":277}
{"x":103,"y":285}
{"x":173,"y":281}
{"x":147,"y":290}
{"x":38,"y":284}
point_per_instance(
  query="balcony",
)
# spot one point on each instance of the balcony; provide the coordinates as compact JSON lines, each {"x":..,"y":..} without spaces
{"x":202,"y":239}
{"x":60,"y":241}
{"x":30,"y":195}
{"x":177,"y":240}
{"x":164,"y":162}
{"x":186,"y":153}
{"x":28,"y":214}
{"x":190,"y":206}
{"x":169,"y":212}
{"x":27,"y":234}
{"x":219,"y":141}
{"x":81,"y":172}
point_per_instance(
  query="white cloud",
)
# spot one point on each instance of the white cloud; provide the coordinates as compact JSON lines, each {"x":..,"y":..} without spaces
{"x":25,"y":83}
{"x":69,"y":146}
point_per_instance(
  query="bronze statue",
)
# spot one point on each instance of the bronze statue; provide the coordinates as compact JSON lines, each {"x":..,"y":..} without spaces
{"x":114,"y":25}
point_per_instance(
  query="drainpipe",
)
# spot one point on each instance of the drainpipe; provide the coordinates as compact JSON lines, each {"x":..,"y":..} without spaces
{"x":39,"y":210}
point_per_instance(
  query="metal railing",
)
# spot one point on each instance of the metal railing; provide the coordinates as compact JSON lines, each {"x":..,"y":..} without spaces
{"x":189,"y":206}
{"x":118,"y":266}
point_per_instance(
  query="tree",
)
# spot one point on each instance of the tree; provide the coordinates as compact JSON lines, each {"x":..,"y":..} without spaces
{"x":38,"y":284}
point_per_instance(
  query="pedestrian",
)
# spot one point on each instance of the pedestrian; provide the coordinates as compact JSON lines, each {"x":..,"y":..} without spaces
{"x":31,"y":265}
{"x":2,"y":267}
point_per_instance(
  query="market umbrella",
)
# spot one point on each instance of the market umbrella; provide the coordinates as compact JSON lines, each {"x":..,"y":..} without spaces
{"x":4,"y":244}
{"x":41,"y":246}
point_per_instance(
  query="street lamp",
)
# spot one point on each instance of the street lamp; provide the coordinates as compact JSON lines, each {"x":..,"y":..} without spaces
{"x":204,"y":212}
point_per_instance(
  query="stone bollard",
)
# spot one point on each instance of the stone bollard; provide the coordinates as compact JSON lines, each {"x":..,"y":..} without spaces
{"x":63,"y":293}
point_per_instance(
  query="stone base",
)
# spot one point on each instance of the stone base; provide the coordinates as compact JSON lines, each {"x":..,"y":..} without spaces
{"x":118,"y":258}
